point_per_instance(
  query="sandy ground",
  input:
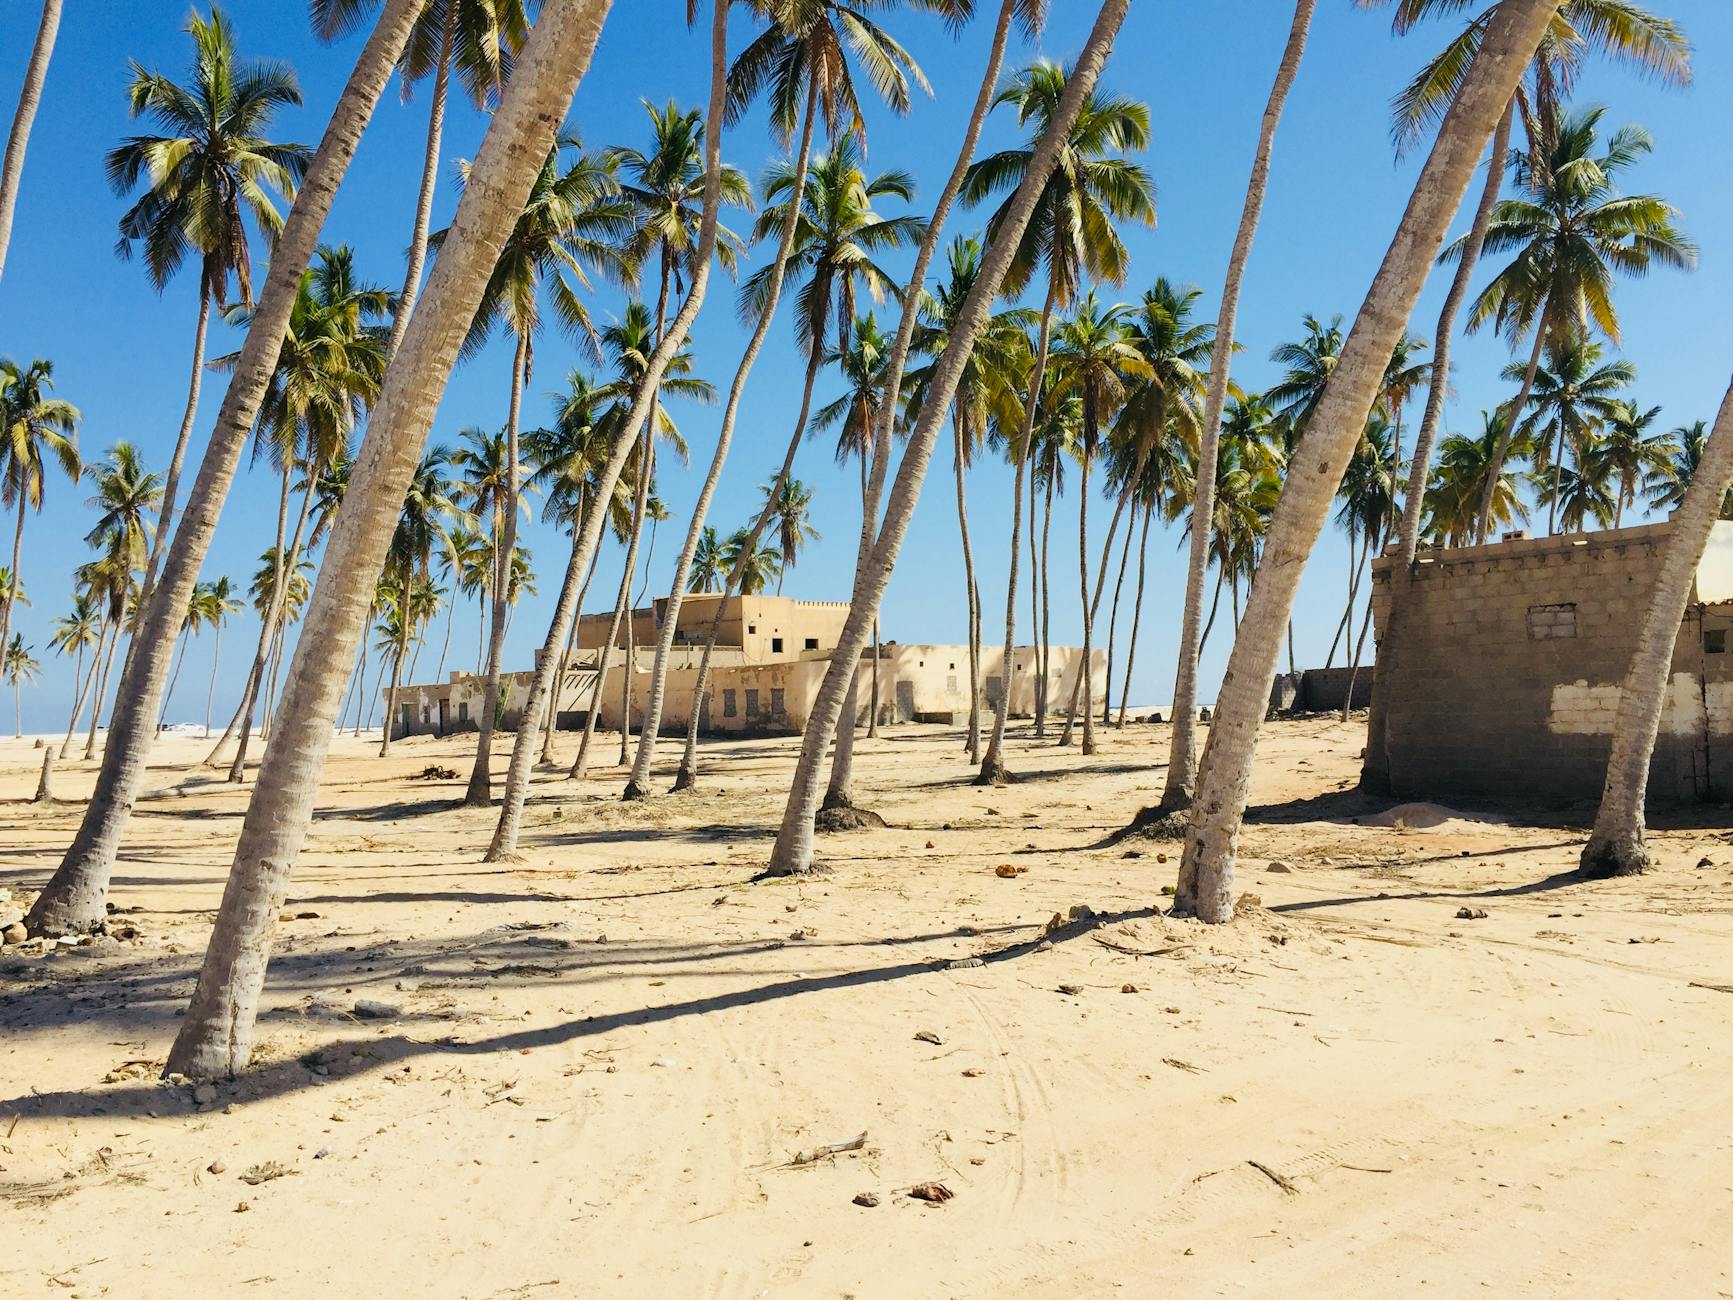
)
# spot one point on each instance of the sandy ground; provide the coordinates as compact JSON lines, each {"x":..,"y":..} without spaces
{"x":608,"y":1062}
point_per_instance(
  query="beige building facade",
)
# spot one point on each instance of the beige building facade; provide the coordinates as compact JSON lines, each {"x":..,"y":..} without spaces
{"x":771,"y":656}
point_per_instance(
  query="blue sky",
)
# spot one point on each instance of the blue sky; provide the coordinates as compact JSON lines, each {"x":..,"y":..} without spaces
{"x":121,"y":351}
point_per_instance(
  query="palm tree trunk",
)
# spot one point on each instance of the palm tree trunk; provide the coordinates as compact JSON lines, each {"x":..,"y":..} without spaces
{"x":1345,"y":623}
{"x":873,"y":721}
{"x":793,"y":851}
{"x":445,"y":645}
{"x":1084,"y":679}
{"x":217,"y":1034}
{"x":556,"y":689}
{"x":429,"y":175}
{"x":1206,"y":874}
{"x":1137,"y":618}
{"x":77,"y":694}
{"x":688,"y":773}
{"x":35,"y":73}
{"x":397,"y":668}
{"x":360,"y":685}
{"x":216,"y":658}
{"x":1215,"y":602}
{"x":604,"y":660}
{"x":480,"y":792}
{"x":17,"y":583}
{"x":1495,"y":467}
{"x":638,"y":783}
{"x":971,"y":593}
{"x":1618,"y":845}
{"x":76,"y":896}
{"x":256,"y":679}
{"x":1354,"y":658}
{"x":1182,"y":763}
{"x":1113,"y":618}
{"x":99,"y":697}
{"x":629,"y":663}
{"x":171,"y":484}
{"x":175,"y":676}
{"x":85,"y":690}
{"x":1558,"y":463}
{"x":1046,"y":631}
{"x":1085,"y":675}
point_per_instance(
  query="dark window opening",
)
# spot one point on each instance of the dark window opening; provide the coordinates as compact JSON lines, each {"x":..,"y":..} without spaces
{"x":1715,"y":641}
{"x":812,"y":643}
{"x":776,"y":702}
{"x":728,"y":709}
{"x":751,"y":629}
{"x":775,"y":645}
{"x":751,"y":703}
{"x":463,"y":713}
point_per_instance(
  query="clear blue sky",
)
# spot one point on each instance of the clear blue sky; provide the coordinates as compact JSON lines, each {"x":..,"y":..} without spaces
{"x":121,"y":351}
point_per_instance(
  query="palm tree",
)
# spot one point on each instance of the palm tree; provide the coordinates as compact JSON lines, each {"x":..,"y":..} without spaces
{"x":212,"y":165}
{"x":73,"y":633}
{"x":756,"y":564}
{"x":1206,"y":872}
{"x":1159,"y":417}
{"x":1632,"y":454}
{"x":19,"y":667}
{"x":833,"y":238}
{"x":1096,"y":361}
{"x":326,"y":377}
{"x":74,"y":898}
{"x":216,"y":1035}
{"x":1620,"y":30}
{"x":1071,"y":232}
{"x":1571,"y":397}
{"x":478,"y":39}
{"x":571,"y":225}
{"x":1667,"y":482}
{"x":791,"y":510}
{"x":707,"y":571}
{"x":421,"y":524}
{"x":126,"y":495}
{"x":1571,"y":233}
{"x":220,"y":603}
{"x":1458,"y":484}
{"x":197,"y":610}
{"x":1369,"y":501}
{"x":111,"y":580}
{"x":29,"y":96}
{"x":987,"y":398}
{"x":35,"y":429}
{"x":1182,"y":765}
{"x":1617,"y":846}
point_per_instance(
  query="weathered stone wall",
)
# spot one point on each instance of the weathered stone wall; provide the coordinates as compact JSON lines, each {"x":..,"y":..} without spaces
{"x":1513,"y":664}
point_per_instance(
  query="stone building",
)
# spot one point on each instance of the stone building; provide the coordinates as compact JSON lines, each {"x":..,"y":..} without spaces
{"x":770,"y":658}
{"x":1512,"y":667}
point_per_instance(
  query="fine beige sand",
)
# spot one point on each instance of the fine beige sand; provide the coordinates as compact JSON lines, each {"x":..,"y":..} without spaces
{"x":607,"y":1066}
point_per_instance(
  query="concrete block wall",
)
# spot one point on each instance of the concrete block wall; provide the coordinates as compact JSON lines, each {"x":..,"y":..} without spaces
{"x":1513,"y":664}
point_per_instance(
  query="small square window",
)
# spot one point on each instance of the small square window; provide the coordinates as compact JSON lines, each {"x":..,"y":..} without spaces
{"x":751,"y":703}
{"x":1552,"y":622}
{"x":775,"y":645}
{"x":751,"y":629}
{"x":812,"y":643}
{"x":1715,"y":641}
{"x":728,"y":704}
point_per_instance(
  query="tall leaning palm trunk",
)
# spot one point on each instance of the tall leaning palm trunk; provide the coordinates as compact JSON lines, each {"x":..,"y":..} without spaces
{"x":177,"y":461}
{"x":84,"y":690}
{"x":1182,"y":750}
{"x":1375,"y":767}
{"x":1315,"y":472}
{"x":1617,"y":846}
{"x":217,"y":1035}
{"x":505,"y":836}
{"x":1136,"y":616}
{"x":75,"y":897}
{"x":480,"y":791}
{"x":429,"y":176}
{"x":972,"y":597}
{"x":604,"y":660}
{"x":35,"y":73}
{"x":793,"y":851}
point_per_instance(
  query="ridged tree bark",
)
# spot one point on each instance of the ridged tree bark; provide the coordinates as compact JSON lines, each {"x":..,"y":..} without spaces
{"x":1182,"y":744}
{"x":480,"y":791}
{"x":35,"y":73}
{"x":638,"y":783}
{"x":505,"y":836}
{"x":793,"y":851}
{"x":76,"y":896}
{"x":1315,"y":471}
{"x":217,"y":1035}
{"x":1618,"y":845}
